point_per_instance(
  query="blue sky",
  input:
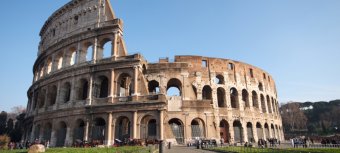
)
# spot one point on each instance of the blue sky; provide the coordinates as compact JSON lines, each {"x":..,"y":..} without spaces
{"x":297,"y":42}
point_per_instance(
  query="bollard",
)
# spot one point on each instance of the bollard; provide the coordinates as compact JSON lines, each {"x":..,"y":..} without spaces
{"x":169,"y":146}
{"x":161,"y":146}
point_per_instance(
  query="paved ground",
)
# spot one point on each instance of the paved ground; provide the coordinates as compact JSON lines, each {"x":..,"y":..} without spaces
{"x":185,"y":149}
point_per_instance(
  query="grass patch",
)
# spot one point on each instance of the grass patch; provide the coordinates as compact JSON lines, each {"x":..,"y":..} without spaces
{"x":275,"y":150}
{"x":127,"y":149}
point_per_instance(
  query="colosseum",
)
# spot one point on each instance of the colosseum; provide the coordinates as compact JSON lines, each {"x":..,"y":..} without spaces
{"x":86,"y":87}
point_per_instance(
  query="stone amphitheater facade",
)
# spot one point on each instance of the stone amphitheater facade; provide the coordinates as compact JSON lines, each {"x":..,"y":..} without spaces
{"x":86,"y":87}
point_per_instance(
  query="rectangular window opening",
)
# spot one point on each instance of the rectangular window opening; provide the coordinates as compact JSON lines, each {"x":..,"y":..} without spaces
{"x":251,"y":73}
{"x":204,"y":63}
{"x":230,"y":66}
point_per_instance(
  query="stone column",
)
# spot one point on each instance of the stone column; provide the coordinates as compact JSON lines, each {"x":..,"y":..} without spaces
{"x":73,"y":89}
{"x":112,"y":87}
{"x":231,"y":132}
{"x":94,"y":50}
{"x":264,"y":133}
{"x":254,"y":129}
{"x":161,"y":124}
{"x":134,"y":126}
{"x":244,"y":132}
{"x":69,"y":136}
{"x":270,"y":131}
{"x":53,"y":141}
{"x":135,"y":81}
{"x":86,"y":130}
{"x":109,"y":130}
{"x":89,"y":97}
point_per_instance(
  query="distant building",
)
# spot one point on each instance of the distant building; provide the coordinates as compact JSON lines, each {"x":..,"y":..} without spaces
{"x":86,"y":87}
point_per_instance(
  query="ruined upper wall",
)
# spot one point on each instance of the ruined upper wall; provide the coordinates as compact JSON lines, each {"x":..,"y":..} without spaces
{"x":73,"y":18}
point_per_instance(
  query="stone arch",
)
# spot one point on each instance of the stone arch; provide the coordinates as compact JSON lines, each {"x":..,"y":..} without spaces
{"x":41,"y":98}
{"x":177,"y":129}
{"x":238,"y":131}
{"x":245,"y":98}
{"x":269,"y":105}
{"x":219,"y":79}
{"x":153,"y":87}
{"x":273,"y":105}
{"x":82,"y":89}
{"x":266,"y":130}
{"x":124,"y":85}
{"x":73,"y":56}
{"x":102,"y":87}
{"x":197,"y":128}
{"x":52,"y":95}
{"x":224,"y":131}
{"x":49,"y":65}
{"x":234,"y":98}
{"x":98,"y":130}
{"x":65,"y":92}
{"x":37,"y":132}
{"x":123,"y":128}
{"x":59,"y":61}
{"x":47,"y":132}
{"x":259,"y":130}
{"x":250,"y":132}
{"x":260,"y":86}
{"x":263,"y":104}
{"x":207,"y":93}
{"x":273,"y":131}
{"x":78,"y":133}
{"x":255,"y":99}
{"x":61,"y":134}
{"x":175,"y":84}
{"x":148,"y":127}
{"x":87,"y":52}
{"x":221,"y":97}
{"x":105,"y":48}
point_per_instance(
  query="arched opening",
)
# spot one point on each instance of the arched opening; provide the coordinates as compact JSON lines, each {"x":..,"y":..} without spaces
{"x":224,"y":131}
{"x":125,"y":85}
{"x":269,"y":104}
{"x":73,"y":58}
{"x":206,"y":93}
{"x":49,"y":66}
{"x":52,"y":95}
{"x":266,"y":131}
{"x":238,"y":131}
{"x":260,"y":86}
{"x":234,"y":98}
{"x":41,"y":71}
{"x":78,"y":134}
{"x":177,"y":129}
{"x":259,"y":130}
{"x":273,"y":105}
{"x":98,"y":131}
{"x":221,"y":97}
{"x":102,"y":87}
{"x":153,"y":87}
{"x":66,"y":92}
{"x":245,"y":98}
{"x":60,"y":62}
{"x":273,"y":131}
{"x":123,"y":128}
{"x":219,"y":79}
{"x":47,"y":132}
{"x":61,"y":134}
{"x":41,"y":98}
{"x":174,"y":87}
{"x":82,"y":88}
{"x":37,"y":132}
{"x":148,"y":128}
{"x":89,"y":52}
{"x":197,"y":128}
{"x":263,"y":104}
{"x":255,"y":99}
{"x":250,"y":132}
{"x":107,"y":48}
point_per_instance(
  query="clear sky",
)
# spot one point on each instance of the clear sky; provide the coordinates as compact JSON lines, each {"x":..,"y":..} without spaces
{"x":296,"y":41}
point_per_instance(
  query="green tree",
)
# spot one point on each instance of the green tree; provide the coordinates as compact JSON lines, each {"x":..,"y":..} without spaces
{"x":3,"y":119}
